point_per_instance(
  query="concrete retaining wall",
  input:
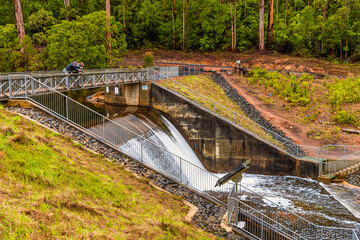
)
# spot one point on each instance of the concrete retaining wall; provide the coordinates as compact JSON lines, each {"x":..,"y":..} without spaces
{"x":220,"y":145}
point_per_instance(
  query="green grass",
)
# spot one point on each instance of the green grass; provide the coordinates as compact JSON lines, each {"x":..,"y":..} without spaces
{"x":53,"y":188}
{"x":336,"y":93}
{"x":214,"y":98}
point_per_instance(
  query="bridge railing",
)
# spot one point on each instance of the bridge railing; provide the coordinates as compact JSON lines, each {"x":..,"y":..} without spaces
{"x":264,"y":219}
{"x":15,"y":84}
{"x":119,"y":137}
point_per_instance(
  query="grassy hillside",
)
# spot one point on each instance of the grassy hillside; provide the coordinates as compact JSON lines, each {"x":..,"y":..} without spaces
{"x":53,"y":188}
{"x":212,"y":96}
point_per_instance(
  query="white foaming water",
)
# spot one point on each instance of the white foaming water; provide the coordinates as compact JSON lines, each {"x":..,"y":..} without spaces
{"x":305,"y":197}
{"x":174,"y":157}
{"x":302,"y":196}
{"x":177,"y":144}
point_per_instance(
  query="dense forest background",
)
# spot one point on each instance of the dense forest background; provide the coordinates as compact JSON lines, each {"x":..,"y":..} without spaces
{"x":98,"y":32}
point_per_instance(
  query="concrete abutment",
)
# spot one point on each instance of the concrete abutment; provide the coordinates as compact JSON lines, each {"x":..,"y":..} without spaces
{"x":219,"y":144}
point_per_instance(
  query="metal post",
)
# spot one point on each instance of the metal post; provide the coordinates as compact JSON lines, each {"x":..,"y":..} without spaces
{"x":103,"y":128}
{"x":67,"y":108}
{"x":181,"y":179}
{"x":32,"y":87}
{"x":141,"y":151}
{"x":10,"y":88}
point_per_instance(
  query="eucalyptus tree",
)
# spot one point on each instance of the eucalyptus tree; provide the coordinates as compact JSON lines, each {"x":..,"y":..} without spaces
{"x":19,"y":20}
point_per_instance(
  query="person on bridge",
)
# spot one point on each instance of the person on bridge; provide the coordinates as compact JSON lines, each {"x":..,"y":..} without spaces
{"x":81,"y":67}
{"x":74,"y":67}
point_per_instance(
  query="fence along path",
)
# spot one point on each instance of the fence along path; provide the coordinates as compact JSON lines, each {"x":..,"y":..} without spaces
{"x":201,"y":181}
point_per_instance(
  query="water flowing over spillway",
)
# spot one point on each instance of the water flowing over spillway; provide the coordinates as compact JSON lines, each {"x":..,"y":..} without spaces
{"x":304,"y":197}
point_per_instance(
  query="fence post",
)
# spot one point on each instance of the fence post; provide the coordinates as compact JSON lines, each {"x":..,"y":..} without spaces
{"x":67,"y":108}
{"x":103,"y":128}
{"x":181,"y":179}
{"x":10,"y":88}
{"x":25,"y":86}
{"x":141,"y":151}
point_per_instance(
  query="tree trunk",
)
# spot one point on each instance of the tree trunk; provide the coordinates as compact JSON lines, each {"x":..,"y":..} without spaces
{"x":235,"y":26}
{"x":244,"y":10}
{"x":19,"y":20}
{"x":67,"y":4}
{"x":286,"y":5}
{"x":323,"y":27}
{"x":232,"y":27}
{"x":341,"y":52}
{"x":277,"y":8}
{"x":124,"y":25}
{"x":108,"y":32}
{"x":270,"y":23}
{"x":261,"y":26}
{"x":173,"y":24}
{"x":183,"y":40}
{"x":346,"y":52}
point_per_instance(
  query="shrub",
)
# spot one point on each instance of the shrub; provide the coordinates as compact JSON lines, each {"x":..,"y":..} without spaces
{"x":148,"y":60}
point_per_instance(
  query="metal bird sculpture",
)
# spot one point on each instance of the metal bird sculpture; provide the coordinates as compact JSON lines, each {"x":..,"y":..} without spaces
{"x":235,"y":175}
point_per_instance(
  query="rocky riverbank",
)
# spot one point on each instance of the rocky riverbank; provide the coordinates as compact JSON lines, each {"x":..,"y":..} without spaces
{"x":209,"y":215}
{"x":354,"y":178}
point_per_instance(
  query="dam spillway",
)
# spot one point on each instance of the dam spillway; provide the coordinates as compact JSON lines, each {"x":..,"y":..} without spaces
{"x":304,"y":197}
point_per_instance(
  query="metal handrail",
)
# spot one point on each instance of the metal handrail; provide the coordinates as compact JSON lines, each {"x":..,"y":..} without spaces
{"x":232,"y":199}
{"x":37,"y":99}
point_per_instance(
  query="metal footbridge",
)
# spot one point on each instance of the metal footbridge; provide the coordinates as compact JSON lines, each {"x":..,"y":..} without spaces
{"x":248,"y":212}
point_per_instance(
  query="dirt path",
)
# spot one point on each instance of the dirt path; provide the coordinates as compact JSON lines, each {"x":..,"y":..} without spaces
{"x":294,"y":131}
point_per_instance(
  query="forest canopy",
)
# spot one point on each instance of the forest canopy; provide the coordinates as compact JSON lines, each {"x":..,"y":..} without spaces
{"x":59,"y":31}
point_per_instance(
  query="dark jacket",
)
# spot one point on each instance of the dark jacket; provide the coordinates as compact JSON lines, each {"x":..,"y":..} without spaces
{"x":72,"y":68}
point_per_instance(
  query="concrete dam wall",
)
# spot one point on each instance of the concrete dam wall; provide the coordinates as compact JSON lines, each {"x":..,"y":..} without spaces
{"x":220,"y":145}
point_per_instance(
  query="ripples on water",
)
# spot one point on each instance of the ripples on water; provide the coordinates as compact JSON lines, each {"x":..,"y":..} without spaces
{"x":304,"y":197}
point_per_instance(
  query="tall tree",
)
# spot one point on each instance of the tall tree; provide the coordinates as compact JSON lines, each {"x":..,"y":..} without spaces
{"x":67,"y":5}
{"x":244,"y":10}
{"x":124,"y":17}
{"x":261,"y":26}
{"x":183,"y":35}
{"x":232,"y":27}
{"x":286,"y":6}
{"x":108,"y":32}
{"x":270,"y":30}
{"x":323,"y":25}
{"x":173,"y":24}
{"x":19,"y":20}
{"x":235,"y":26}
